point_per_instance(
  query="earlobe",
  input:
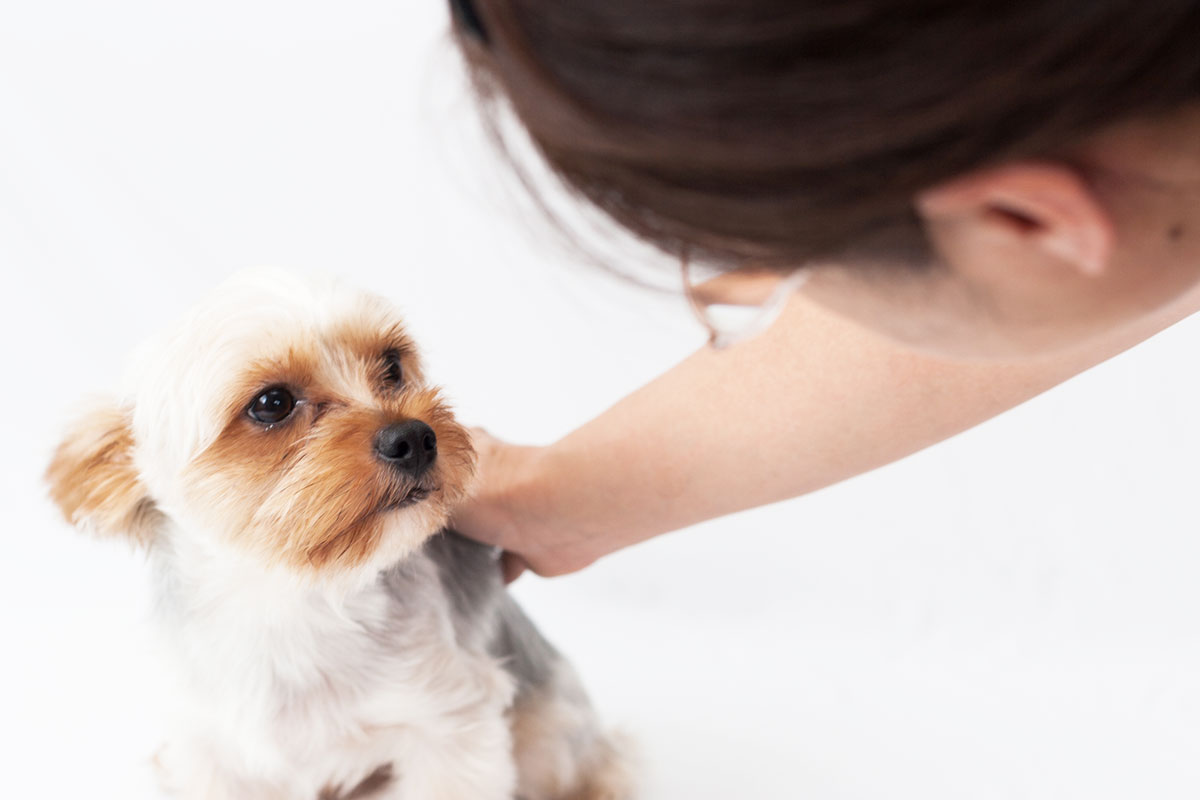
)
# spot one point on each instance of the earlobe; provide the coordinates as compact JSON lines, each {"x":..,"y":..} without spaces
{"x":93,"y":480}
{"x":1048,"y":206}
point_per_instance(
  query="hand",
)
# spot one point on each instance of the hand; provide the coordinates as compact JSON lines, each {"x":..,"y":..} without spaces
{"x":486,"y":515}
{"x":516,"y":504}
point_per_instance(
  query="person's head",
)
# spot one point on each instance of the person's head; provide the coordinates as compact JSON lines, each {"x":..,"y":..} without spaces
{"x":972,"y":178}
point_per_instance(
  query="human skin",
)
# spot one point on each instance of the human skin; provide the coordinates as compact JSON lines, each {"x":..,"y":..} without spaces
{"x":750,"y":434}
{"x":1044,"y":269}
{"x":1036,"y":256}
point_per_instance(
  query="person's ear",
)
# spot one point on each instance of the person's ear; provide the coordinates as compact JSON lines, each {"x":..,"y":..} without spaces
{"x":93,"y":480}
{"x":1043,"y":206}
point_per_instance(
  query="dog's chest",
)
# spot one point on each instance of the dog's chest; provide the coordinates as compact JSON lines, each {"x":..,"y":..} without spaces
{"x":292,"y":688}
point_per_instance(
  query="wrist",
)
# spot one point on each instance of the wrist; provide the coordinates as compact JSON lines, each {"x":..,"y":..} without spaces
{"x":498,"y":505}
{"x":553,"y":507}
{"x":524,"y":500}
{"x":532,"y":502}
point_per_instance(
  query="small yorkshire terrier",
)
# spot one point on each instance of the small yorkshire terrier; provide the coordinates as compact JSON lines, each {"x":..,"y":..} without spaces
{"x":283,"y":462}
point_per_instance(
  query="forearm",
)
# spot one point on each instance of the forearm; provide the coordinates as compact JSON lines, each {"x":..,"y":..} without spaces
{"x":811,"y":402}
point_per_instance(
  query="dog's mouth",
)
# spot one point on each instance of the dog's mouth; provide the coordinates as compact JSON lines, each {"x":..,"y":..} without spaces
{"x":410,"y":498}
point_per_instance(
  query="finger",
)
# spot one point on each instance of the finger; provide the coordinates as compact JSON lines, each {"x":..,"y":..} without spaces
{"x":512,"y":565}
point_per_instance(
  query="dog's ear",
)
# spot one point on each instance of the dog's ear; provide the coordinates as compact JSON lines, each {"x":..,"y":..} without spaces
{"x":93,"y":480}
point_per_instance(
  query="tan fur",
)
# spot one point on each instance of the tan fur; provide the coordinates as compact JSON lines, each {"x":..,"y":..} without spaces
{"x":297,"y":367}
{"x":553,"y":764}
{"x":93,"y":480}
{"x":309,"y":492}
{"x":294,"y":689}
{"x":606,"y":776}
{"x":367,"y":341}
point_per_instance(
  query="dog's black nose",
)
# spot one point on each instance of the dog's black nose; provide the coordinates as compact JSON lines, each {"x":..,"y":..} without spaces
{"x":411,"y":446}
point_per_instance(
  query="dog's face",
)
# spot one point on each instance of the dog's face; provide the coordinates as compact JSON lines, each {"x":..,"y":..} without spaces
{"x":286,"y":418}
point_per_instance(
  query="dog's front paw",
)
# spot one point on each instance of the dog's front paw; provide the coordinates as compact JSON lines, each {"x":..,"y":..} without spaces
{"x":185,"y":773}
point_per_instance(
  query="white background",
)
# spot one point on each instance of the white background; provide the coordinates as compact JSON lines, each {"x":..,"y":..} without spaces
{"x":1010,"y":614}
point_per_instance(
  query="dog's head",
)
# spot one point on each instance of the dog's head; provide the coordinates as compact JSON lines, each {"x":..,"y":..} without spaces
{"x":285,"y":417}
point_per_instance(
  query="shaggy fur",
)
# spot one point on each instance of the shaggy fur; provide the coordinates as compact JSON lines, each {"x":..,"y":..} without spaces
{"x":331,"y":640}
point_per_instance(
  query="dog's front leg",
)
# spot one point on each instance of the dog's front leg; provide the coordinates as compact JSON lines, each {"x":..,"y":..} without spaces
{"x":475,"y":762}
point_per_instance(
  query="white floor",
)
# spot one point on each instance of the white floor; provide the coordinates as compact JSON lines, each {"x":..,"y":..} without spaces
{"x":1011,"y":614}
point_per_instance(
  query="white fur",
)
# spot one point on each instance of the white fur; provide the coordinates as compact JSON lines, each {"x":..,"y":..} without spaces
{"x":288,"y":685}
{"x":298,"y":676}
{"x":286,"y":688}
{"x":178,"y":381}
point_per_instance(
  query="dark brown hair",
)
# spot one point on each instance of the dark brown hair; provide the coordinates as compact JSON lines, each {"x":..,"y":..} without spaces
{"x":788,"y":131}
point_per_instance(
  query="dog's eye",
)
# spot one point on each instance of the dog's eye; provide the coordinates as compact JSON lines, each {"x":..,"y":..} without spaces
{"x":272,"y":406}
{"x":392,"y":374}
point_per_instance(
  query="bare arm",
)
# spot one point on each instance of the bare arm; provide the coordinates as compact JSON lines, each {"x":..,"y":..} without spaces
{"x":811,"y":402}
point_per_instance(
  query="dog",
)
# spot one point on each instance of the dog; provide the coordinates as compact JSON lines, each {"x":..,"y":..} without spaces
{"x":290,"y":474}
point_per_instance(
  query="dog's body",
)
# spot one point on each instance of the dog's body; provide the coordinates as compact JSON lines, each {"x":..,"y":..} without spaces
{"x":409,"y":681}
{"x":332,"y":641}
